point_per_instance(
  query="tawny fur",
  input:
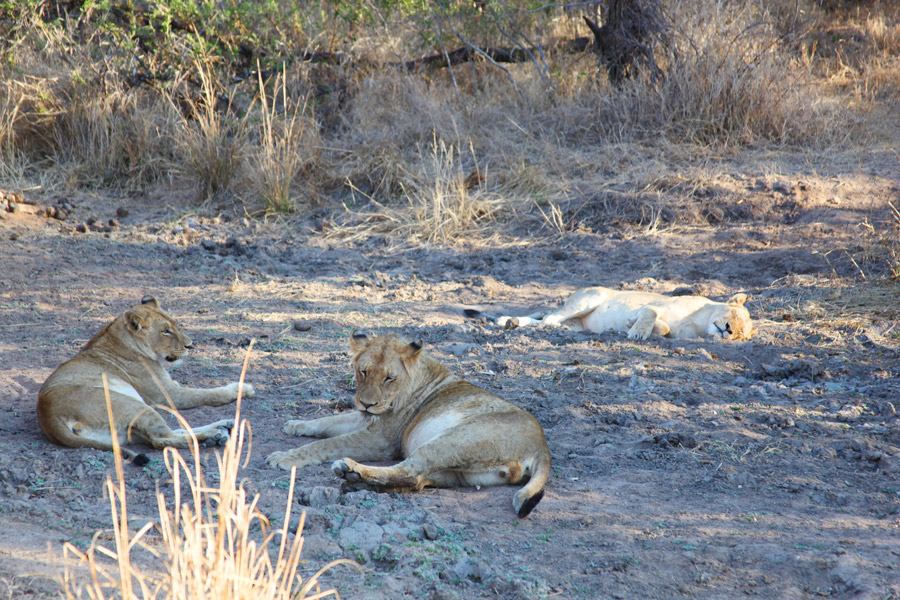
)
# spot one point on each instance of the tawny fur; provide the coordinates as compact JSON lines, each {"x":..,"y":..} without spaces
{"x":446,"y":431}
{"x":641,"y":314}
{"x":131,"y":352}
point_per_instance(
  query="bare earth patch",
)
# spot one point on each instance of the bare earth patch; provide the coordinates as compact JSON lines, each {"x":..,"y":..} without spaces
{"x":682,"y":468}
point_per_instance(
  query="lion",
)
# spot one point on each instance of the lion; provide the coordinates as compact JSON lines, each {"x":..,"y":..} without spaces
{"x":447,"y":432}
{"x":601,"y":309}
{"x":130,"y":351}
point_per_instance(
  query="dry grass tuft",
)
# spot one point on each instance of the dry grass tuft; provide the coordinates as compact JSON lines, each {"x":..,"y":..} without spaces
{"x":447,"y":202}
{"x":290,"y":147}
{"x":210,"y":138}
{"x":209,"y":548}
{"x":729,"y":81}
{"x":65,"y":112}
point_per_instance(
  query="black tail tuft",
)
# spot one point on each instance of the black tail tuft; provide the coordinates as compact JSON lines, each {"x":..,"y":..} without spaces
{"x":140,"y":460}
{"x":529,"y":504}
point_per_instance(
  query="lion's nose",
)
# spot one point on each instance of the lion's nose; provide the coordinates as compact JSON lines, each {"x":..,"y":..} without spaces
{"x":188,"y":343}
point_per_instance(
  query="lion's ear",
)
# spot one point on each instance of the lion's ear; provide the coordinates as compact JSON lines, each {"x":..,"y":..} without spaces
{"x":737,"y":299}
{"x":151,"y":301}
{"x":134,"y":321}
{"x":358,"y":340}
{"x":415,"y":347}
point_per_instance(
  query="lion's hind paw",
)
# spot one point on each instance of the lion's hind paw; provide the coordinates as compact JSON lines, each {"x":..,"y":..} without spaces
{"x":345,"y":471}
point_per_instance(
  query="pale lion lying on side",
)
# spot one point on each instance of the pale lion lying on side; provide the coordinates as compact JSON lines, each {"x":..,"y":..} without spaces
{"x":131,"y":352}
{"x":601,"y":309}
{"x":448,"y":432}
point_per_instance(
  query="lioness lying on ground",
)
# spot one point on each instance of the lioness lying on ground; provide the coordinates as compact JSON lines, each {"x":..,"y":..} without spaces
{"x":600,"y":309}
{"x":449,"y":432}
{"x":130,"y":350}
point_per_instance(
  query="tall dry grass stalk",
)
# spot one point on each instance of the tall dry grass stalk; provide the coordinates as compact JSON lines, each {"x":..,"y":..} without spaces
{"x":289,"y":146}
{"x":211,"y":141}
{"x":107,"y":134}
{"x":209,"y":550}
{"x":12,"y":163}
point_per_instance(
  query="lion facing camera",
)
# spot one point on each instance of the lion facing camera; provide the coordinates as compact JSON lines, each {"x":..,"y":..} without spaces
{"x":448,"y":432}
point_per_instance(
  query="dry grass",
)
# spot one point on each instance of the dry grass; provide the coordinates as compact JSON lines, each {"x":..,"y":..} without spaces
{"x":290,"y":147}
{"x":211,"y":138}
{"x":64,"y":111}
{"x":729,"y":81}
{"x":347,"y":130}
{"x":209,"y":550}
{"x":447,"y":203}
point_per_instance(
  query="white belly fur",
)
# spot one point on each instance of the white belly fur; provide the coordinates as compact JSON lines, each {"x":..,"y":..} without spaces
{"x":123,"y":389}
{"x":431,"y":428}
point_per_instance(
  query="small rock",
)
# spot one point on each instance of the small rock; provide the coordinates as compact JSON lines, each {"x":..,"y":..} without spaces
{"x":460,"y":348}
{"x":318,"y":496}
{"x":849,"y":413}
{"x":302,"y":326}
{"x":208,"y":245}
{"x":846,"y":572}
{"x":888,"y":410}
{"x":443,"y":594}
{"x":320,"y":546}
{"x":705,"y":354}
{"x":779,"y":421}
{"x":471,"y":569}
{"x":82,"y":228}
{"x":114,"y":223}
{"x":122,"y":212}
{"x":430,"y":531}
{"x":888,"y":464}
{"x":362,"y":535}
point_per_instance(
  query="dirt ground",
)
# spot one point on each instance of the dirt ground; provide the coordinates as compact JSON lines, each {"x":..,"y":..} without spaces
{"x":681,"y":468}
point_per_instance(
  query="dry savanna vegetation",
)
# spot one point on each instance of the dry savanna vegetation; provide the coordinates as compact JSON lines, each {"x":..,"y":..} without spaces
{"x":284,"y":106}
{"x":501,"y":146}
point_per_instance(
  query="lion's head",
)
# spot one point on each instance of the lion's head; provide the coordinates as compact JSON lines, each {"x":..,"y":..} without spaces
{"x":732,"y":321}
{"x":155,"y":334}
{"x":384,"y":368}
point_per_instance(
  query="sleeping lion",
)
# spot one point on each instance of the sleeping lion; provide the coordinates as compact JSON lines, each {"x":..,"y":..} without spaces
{"x":601,"y":309}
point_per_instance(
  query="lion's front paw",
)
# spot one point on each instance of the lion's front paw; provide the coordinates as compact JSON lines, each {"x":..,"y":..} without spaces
{"x":343,"y":468}
{"x":636,"y":334}
{"x":247,"y":391}
{"x":282,"y":460}
{"x":296,"y":427}
{"x":220,"y":437}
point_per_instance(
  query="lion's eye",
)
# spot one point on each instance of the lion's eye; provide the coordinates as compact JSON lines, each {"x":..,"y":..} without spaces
{"x":167,"y":332}
{"x":362,"y":373}
{"x":389,"y":379}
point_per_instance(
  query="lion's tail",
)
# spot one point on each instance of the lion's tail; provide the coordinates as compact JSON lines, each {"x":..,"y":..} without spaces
{"x":528,"y":497}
